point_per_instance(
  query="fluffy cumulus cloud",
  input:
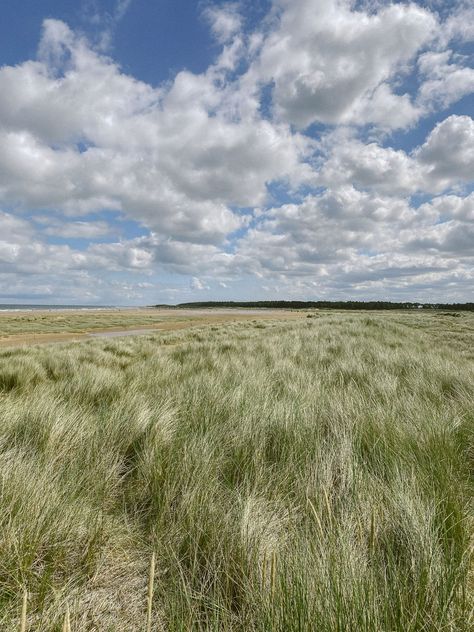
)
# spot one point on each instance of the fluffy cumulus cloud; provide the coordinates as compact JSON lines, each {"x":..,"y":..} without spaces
{"x":331,"y":63}
{"x":447,"y":79}
{"x":363,"y":239}
{"x":174,"y":158}
{"x":445,"y":160}
{"x":289,"y":162}
{"x":448,"y":152}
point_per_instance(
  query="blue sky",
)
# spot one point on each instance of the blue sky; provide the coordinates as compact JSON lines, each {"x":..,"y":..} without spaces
{"x":167,"y":151}
{"x":152,"y":41}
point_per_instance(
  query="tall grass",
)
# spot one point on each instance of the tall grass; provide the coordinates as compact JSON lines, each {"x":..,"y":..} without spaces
{"x":312,"y":475}
{"x":21,"y":323}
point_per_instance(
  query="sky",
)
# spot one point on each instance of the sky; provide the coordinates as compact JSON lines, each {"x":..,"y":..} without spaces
{"x":163,"y":151}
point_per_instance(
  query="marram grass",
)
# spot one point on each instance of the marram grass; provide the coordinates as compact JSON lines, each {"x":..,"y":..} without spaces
{"x":300,"y":476}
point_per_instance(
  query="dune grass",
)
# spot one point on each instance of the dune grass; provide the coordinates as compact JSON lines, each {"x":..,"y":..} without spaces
{"x":299,"y":476}
{"x":31,"y":327}
{"x":72,"y":321}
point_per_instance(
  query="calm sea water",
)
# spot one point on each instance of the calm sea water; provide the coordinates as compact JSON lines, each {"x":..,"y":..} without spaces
{"x":15,"y":307}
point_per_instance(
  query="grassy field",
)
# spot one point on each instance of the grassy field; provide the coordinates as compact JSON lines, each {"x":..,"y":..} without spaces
{"x":32,"y":327}
{"x":75,"y":321}
{"x":309,"y":475}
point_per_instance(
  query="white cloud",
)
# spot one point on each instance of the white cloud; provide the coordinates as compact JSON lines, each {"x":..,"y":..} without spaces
{"x":460,"y":24}
{"x":446,"y":81}
{"x":445,"y":160}
{"x":75,"y":230}
{"x":332,"y":64}
{"x":225,"y":20}
{"x":198,"y":284}
{"x":192,"y":161}
{"x":448,"y":153}
{"x":452,"y":207}
{"x":333,"y":227}
{"x":175,"y":159}
{"x":369,"y":165}
{"x":345,"y":242}
{"x":14,"y":230}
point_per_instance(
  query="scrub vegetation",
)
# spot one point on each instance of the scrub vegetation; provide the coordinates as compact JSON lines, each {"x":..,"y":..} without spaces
{"x":288,"y":476}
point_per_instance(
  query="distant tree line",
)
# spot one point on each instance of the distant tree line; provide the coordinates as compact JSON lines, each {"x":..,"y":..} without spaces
{"x":326,"y":305}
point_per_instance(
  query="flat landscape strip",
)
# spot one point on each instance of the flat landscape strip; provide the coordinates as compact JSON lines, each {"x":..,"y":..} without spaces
{"x":25,"y":329}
